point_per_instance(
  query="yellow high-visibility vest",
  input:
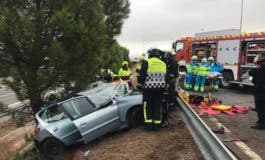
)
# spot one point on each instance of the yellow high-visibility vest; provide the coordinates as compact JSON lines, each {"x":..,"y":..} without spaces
{"x":156,"y":74}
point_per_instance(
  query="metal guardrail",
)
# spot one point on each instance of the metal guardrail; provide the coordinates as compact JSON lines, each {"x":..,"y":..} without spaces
{"x":209,"y":144}
{"x":18,"y":108}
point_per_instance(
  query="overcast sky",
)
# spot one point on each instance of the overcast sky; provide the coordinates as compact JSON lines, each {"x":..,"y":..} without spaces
{"x":157,"y":23}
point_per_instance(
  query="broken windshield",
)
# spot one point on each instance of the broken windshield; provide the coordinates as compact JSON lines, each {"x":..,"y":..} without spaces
{"x":103,"y":94}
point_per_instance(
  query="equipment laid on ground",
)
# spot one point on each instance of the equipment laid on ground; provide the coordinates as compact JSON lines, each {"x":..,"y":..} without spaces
{"x":233,"y":49}
{"x":209,"y":105}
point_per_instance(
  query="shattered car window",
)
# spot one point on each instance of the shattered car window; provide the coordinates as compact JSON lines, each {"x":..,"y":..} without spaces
{"x":72,"y":109}
{"x":122,"y":90}
{"x":53,"y":114}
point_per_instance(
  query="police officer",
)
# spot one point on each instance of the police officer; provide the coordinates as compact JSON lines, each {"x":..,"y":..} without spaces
{"x":258,"y":75}
{"x":191,"y":72}
{"x":153,"y":80}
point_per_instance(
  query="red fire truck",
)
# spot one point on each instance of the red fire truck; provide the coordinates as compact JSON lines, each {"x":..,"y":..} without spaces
{"x":235,"y":50}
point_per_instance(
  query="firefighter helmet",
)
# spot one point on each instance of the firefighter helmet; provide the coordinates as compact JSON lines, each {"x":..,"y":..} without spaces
{"x":124,"y":63}
{"x":154,"y":53}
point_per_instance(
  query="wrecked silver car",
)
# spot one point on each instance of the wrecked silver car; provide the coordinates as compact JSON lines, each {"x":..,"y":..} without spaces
{"x":87,"y":116}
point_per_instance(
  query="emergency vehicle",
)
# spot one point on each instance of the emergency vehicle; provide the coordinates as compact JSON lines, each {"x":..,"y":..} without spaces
{"x":235,"y":50}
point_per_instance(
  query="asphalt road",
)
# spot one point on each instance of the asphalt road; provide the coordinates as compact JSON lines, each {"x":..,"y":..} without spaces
{"x":7,"y":96}
{"x":239,"y":124}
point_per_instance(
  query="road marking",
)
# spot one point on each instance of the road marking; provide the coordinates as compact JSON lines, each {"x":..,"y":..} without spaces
{"x":250,"y":153}
{"x":11,"y":105}
{"x":7,"y":95}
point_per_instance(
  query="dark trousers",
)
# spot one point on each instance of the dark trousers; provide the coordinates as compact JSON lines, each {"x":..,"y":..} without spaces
{"x":260,"y":106}
{"x":172,"y":91}
{"x":152,"y":106}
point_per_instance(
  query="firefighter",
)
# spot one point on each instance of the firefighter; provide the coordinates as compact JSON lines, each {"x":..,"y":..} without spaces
{"x":153,"y":79}
{"x":125,"y":72}
{"x":169,"y":100}
{"x":172,"y":72}
{"x":138,"y":70}
{"x":139,"y":64}
{"x":216,"y":69}
{"x":201,"y":74}
{"x":190,"y":74}
{"x":259,"y":91}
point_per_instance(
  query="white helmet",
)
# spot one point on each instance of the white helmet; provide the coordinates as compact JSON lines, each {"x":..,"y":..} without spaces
{"x":204,"y":60}
{"x":194,"y":58}
{"x":210,"y":59}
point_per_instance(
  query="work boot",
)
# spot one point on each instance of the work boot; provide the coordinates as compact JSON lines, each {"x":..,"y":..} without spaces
{"x":157,"y":127}
{"x":254,"y":109}
{"x":259,"y":126}
{"x":148,"y":127}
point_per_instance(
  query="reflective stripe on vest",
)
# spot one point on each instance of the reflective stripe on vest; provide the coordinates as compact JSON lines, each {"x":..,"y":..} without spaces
{"x":156,"y":74}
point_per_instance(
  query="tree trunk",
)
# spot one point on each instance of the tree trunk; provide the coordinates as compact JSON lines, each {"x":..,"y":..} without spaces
{"x":35,"y":102}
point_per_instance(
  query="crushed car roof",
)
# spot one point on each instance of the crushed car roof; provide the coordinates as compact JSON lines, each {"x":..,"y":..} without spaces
{"x":102,"y":94}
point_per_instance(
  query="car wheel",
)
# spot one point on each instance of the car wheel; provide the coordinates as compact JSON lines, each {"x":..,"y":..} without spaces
{"x":135,"y":118}
{"x":52,"y":147}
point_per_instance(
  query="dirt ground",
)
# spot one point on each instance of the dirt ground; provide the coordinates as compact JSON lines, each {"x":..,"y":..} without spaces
{"x":12,"y":139}
{"x":170,"y":143}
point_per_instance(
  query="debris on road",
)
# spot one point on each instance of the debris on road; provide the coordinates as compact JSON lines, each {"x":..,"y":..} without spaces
{"x":219,"y":130}
{"x":86,"y":154}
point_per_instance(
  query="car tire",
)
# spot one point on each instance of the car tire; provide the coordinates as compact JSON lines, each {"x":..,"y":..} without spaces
{"x":52,"y":147}
{"x":135,"y":118}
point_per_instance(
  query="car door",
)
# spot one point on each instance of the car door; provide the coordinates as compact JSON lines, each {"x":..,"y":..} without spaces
{"x":91,"y":122}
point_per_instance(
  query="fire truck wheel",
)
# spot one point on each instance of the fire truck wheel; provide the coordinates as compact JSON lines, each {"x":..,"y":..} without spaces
{"x":227,"y":76}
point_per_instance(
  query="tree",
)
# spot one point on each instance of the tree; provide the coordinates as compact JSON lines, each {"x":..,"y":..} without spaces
{"x":49,"y":43}
{"x":118,"y":54}
{"x":116,"y":12}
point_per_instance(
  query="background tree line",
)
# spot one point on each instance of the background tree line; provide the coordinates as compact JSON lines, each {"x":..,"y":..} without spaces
{"x":47,"y":43}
